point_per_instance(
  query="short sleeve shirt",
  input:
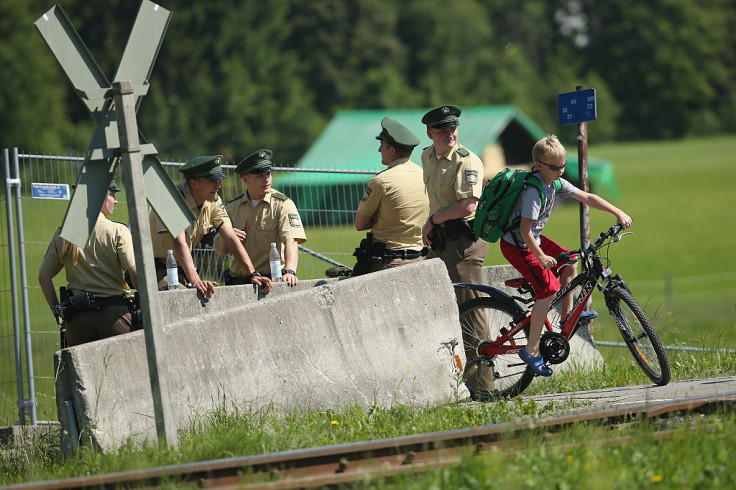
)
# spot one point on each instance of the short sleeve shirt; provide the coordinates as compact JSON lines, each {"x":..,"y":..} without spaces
{"x":274,"y":220}
{"x":101,"y":264}
{"x":529,"y":205}
{"x":210,"y":214}
{"x":398,"y":198}
{"x":456,"y":175}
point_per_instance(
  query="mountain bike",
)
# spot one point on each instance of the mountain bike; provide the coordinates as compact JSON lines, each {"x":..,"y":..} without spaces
{"x":507,"y":318}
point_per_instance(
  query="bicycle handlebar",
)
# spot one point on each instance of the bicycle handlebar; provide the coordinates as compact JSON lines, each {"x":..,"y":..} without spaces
{"x":612,"y":231}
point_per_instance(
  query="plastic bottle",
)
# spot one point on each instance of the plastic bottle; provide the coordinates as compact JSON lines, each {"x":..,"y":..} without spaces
{"x":172,"y":271}
{"x":275,"y":261}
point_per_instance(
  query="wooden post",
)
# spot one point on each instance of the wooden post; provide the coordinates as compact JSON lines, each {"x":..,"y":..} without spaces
{"x":144,"y":261}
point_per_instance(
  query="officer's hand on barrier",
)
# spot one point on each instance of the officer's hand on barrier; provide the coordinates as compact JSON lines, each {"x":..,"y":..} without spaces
{"x":264,"y":283}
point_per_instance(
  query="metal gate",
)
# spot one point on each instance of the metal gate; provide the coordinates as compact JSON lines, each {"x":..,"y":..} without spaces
{"x":35,"y":199}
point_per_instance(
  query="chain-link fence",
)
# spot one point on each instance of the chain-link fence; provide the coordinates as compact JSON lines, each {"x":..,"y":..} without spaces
{"x":29,"y":335}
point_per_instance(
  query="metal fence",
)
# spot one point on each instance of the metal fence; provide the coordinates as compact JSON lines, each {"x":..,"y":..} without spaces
{"x":29,"y":335}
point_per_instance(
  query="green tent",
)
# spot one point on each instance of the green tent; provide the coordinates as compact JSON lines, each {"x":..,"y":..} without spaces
{"x":347,"y":151}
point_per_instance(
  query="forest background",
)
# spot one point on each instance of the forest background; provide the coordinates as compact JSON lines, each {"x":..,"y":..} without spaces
{"x":233,"y":76}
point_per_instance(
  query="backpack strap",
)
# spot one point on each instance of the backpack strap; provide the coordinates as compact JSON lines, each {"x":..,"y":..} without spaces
{"x":537,"y":184}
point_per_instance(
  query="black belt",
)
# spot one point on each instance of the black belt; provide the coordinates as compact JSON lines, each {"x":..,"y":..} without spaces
{"x":104,"y":300}
{"x":405,"y":254}
{"x":231,"y":280}
{"x":109,"y":301}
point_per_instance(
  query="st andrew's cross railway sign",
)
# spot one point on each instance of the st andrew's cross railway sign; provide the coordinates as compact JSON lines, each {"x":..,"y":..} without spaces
{"x":96,"y":94}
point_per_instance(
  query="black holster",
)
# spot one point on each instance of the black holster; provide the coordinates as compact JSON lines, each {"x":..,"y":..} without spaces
{"x":459,"y":227}
{"x":363,"y":255}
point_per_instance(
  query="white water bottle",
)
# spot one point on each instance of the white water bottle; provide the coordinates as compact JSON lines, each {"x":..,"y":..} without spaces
{"x":275,"y":261}
{"x":172,"y":271}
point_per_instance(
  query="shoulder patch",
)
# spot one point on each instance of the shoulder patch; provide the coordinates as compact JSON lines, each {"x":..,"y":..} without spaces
{"x":279,"y":196}
{"x":463,"y":152}
{"x":471,"y":177}
{"x":367,"y":193}
{"x":236,"y":198}
{"x":294,"y":221}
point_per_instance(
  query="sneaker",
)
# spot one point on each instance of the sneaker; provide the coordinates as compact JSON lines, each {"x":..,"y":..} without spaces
{"x":536,"y":363}
{"x":479,"y":395}
{"x":587,"y":316}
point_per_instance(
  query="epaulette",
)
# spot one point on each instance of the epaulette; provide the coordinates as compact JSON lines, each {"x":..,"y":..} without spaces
{"x":463,"y":152}
{"x":236,"y":198}
{"x":120,"y":223}
{"x":425,"y":147}
{"x":279,"y":196}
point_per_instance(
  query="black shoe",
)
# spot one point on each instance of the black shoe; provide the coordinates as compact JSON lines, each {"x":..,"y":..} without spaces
{"x":339,"y":271}
{"x":479,"y":395}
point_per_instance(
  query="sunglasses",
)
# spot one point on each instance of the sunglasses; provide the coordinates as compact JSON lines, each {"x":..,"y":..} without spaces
{"x":554,"y":167}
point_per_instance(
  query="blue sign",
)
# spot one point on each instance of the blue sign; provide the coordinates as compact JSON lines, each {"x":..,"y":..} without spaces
{"x":50,"y":191}
{"x":577,"y":107}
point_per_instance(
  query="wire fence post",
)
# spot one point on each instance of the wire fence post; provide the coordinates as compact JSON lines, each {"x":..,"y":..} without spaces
{"x":30,"y":402}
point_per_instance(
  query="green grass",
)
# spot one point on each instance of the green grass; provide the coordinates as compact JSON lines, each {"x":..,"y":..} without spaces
{"x":236,"y":431}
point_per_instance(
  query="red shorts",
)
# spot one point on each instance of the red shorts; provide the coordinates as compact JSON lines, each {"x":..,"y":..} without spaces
{"x":544,"y":281}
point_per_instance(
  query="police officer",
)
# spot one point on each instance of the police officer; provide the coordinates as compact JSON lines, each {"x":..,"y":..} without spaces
{"x":453,"y":176}
{"x":202,"y":181}
{"x":394,"y":206}
{"x":261,"y":216}
{"x":95,"y":276}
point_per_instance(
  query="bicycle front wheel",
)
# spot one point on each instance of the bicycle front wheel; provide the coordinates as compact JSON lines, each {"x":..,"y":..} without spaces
{"x":639,"y":335}
{"x":481,"y":320}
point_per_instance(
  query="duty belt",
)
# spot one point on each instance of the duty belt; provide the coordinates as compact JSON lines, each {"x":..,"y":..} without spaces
{"x":404,"y":254}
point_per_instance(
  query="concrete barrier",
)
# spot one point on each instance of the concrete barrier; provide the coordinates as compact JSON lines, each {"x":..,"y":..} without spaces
{"x":387,"y":338}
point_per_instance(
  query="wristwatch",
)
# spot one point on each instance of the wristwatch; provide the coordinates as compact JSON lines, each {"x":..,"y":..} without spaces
{"x":288,"y":271}
{"x":254,"y":274}
{"x":431,"y":220}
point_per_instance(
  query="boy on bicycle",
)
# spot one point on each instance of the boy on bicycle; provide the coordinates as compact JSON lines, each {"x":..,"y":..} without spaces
{"x":533,"y":254}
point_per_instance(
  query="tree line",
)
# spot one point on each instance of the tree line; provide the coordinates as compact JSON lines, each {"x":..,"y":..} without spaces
{"x":233,"y":76}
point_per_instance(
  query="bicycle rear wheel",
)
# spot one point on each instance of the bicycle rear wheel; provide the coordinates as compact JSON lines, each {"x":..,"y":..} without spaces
{"x":639,"y":335}
{"x":511,"y":375}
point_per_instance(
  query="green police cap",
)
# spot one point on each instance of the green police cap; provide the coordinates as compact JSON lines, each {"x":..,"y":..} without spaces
{"x":207,"y":167}
{"x":111,"y":187}
{"x":442,"y":117}
{"x":255,"y":163}
{"x":397,"y":135}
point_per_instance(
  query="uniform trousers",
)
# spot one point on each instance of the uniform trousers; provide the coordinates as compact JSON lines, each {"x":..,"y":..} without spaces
{"x":89,"y":325}
{"x":464,"y":258}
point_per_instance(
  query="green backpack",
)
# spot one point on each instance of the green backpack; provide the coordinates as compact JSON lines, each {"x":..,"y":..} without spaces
{"x":498,"y":200}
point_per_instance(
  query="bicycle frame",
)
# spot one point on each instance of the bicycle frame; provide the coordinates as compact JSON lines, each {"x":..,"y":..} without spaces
{"x":593,"y":275}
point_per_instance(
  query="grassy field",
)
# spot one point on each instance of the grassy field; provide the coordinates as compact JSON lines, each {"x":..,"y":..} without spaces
{"x":676,"y":269}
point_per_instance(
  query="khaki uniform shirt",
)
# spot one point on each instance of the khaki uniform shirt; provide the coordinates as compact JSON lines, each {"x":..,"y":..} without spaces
{"x":274,"y":220}
{"x":456,"y":175}
{"x":101,"y":263}
{"x":398,"y":198}
{"x":211,"y":214}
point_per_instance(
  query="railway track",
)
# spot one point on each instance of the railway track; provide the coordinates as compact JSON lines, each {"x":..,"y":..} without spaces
{"x":345,"y":463}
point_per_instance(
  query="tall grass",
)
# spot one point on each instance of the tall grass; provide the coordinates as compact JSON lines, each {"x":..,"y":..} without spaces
{"x":240,"y":431}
